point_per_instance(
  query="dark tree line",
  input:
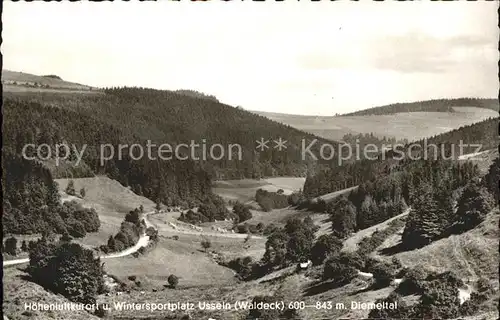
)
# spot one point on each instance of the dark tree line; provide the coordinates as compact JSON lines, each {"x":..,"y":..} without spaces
{"x":350,"y":174}
{"x":362,"y":140}
{"x":174,"y":118}
{"x":271,"y":200}
{"x":169,"y":182}
{"x":449,"y":203}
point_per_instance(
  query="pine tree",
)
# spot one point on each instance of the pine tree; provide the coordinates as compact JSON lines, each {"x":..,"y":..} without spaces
{"x":343,"y":216}
{"x":492,"y":179}
{"x":424,"y":222}
{"x":473,"y":205}
{"x":111,"y":244}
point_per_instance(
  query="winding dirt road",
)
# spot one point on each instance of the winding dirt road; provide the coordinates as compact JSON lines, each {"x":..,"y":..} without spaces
{"x":142,"y":242}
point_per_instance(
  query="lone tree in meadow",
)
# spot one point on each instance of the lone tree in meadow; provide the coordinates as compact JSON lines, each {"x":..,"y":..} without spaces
{"x":82,"y":192}
{"x":173,"y":281}
{"x":205,"y":244}
{"x":70,"y":188}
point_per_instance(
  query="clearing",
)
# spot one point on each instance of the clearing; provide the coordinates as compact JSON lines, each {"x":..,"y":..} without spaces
{"x":244,"y":190}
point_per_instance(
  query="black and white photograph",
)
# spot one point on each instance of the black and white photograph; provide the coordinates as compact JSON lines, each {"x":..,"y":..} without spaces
{"x":250,"y":160}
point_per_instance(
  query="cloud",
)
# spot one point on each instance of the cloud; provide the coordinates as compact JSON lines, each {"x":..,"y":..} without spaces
{"x":408,"y":53}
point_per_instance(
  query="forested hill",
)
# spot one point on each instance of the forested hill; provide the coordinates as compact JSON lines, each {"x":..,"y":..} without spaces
{"x":25,"y":123}
{"x":438,"y":105}
{"x":174,"y":118}
{"x":333,"y":179}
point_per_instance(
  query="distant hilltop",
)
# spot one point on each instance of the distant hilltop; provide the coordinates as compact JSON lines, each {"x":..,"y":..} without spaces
{"x":436,"y":105}
{"x":15,"y":81}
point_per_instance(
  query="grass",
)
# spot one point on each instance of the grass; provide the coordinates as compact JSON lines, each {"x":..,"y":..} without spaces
{"x":182,"y":257}
{"x":111,"y":200}
{"x":471,"y":254}
{"x":244,"y":190}
{"x":411,"y":125}
{"x":351,"y":243}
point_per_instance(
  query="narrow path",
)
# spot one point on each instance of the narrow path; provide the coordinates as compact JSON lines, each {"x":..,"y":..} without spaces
{"x":457,"y":248}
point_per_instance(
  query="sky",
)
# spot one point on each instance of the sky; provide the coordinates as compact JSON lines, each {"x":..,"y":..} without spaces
{"x":293,"y":57}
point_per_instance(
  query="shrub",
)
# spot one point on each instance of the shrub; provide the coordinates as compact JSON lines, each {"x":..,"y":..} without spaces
{"x":339,"y":269}
{"x":11,"y":246}
{"x":68,"y":269}
{"x":401,"y":312}
{"x":205,"y":244}
{"x":102,"y":310}
{"x":173,"y":281}
{"x":269,"y":229}
{"x":383,"y":274}
{"x":242,"y":212}
{"x":242,"y":266}
{"x":142,"y":250}
{"x":473,"y":205}
{"x":66,"y":237}
{"x":413,"y":281}
{"x":323,"y":247}
{"x":242,"y":228}
{"x":24,"y":246}
{"x":132,"y":278}
{"x":70,"y":188}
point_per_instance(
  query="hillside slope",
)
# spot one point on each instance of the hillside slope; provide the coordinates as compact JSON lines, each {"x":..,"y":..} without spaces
{"x":437,"y":105}
{"x":471,"y":255}
{"x":402,"y":125}
{"x":167,"y":117}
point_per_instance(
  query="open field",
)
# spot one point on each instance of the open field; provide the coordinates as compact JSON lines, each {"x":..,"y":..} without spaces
{"x":110,"y":199}
{"x":17,"y":81}
{"x":411,"y":125}
{"x":182,"y":257}
{"x":244,"y":190}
